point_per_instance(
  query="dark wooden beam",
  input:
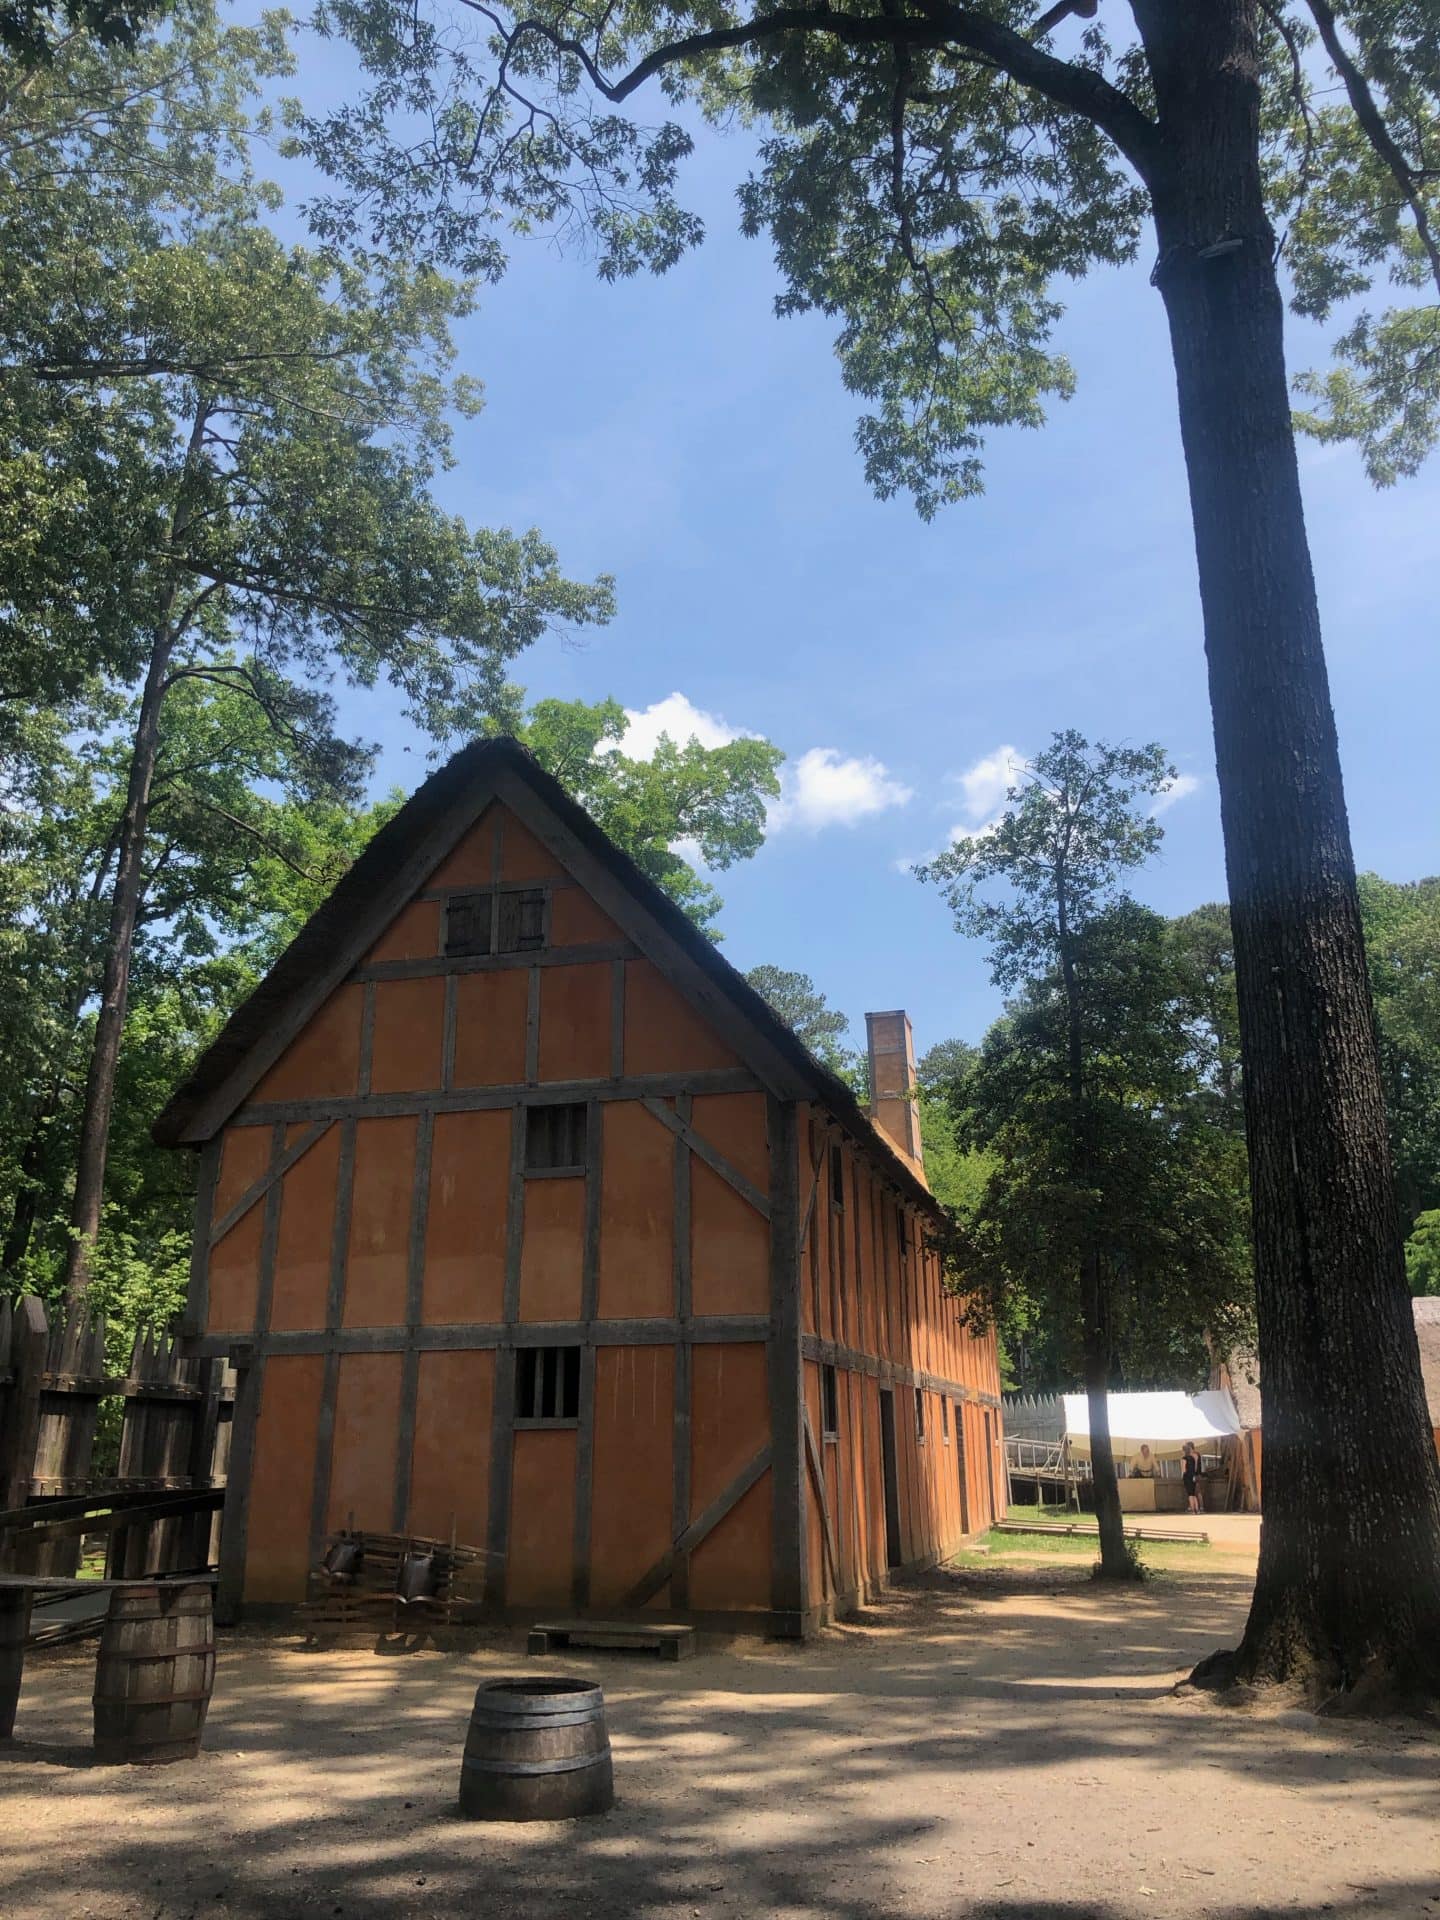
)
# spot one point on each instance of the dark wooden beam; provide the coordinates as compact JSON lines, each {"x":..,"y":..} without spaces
{"x":699,"y":1529}
{"x":258,"y":1189}
{"x":789,"y":1562}
{"x":679,"y":1125}
{"x":484,"y":1099}
{"x":448,"y":966}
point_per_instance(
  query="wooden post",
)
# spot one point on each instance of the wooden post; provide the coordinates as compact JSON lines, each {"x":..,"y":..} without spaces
{"x":20,"y":1427}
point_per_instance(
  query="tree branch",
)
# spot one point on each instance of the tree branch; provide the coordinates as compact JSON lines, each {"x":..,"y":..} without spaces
{"x":1372,"y":122}
{"x":938,"y":25}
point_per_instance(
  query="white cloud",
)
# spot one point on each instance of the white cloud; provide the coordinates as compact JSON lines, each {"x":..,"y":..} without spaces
{"x":823,"y":788}
{"x":1179,"y":787}
{"x":682,"y":720}
{"x":983,"y":787}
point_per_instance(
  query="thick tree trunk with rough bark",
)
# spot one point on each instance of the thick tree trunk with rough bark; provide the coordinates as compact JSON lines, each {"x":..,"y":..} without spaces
{"x":1348,"y":1593}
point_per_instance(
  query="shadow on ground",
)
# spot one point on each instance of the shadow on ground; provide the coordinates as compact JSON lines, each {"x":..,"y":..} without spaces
{"x":995,"y":1747}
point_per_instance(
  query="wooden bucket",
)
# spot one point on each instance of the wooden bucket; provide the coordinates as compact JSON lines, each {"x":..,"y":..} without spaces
{"x":154,"y":1674}
{"x":537,"y":1749}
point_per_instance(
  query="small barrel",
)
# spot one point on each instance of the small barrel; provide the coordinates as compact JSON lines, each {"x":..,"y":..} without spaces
{"x":537,"y":1749}
{"x":154,"y":1675}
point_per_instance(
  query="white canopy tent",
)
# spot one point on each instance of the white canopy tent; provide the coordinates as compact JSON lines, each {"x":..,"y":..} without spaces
{"x":1163,"y":1420}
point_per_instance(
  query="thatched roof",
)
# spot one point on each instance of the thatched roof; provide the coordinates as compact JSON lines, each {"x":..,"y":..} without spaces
{"x":341,"y":925}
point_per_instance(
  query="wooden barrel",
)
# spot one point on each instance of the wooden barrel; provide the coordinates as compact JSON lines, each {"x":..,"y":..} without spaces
{"x":537,"y":1749}
{"x":154,"y":1674}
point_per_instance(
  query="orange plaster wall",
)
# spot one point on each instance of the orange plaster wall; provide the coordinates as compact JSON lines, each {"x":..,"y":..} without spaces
{"x":729,"y":1247}
{"x":378,"y":1249}
{"x":414,"y":934}
{"x":575,"y":1023}
{"x":729,"y":1423}
{"x":552,"y":1249}
{"x":277,"y":1543}
{"x":542,"y":1518}
{"x":244,"y":1156}
{"x":469,"y":862}
{"x":730,"y":1569}
{"x":367,"y":1422}
{"x":307,"y":1226}
{"x":735,"y":1125}
{"x":450,"y":1465}
{"x":576,"y":921}
{"x":637,"y":1214}
{"x":490,"y":1028}
{"x":409,"y":1025}
{"x":324,"y":1057}
{"x":521,"y":855}
{"x":465,"y":1226}
{"x":235,"y":1275}
{"x":662,"y":1033}
{"x":632,"y":1480}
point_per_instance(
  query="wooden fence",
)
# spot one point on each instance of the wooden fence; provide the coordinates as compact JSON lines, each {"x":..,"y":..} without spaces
{"x":174,"y":1442}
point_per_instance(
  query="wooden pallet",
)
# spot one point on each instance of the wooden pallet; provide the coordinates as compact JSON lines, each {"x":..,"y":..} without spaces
{"x":368,"y":1602}
{"x":671,"y":1643}
{"x":1080,"y":1531}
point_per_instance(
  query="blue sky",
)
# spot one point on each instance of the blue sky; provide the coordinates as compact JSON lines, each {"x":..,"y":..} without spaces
{"x":676,"y":434}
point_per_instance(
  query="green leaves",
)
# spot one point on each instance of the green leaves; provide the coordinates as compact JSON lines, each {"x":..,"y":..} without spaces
{"x":683,"y":796}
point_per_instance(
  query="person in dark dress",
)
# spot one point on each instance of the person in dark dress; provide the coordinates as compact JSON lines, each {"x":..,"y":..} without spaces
{"x":1190,"y":1475}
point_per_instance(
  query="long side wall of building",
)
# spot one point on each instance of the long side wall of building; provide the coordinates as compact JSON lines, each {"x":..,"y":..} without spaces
{"x":380,"y":1259}
{"x":903,"y":1442}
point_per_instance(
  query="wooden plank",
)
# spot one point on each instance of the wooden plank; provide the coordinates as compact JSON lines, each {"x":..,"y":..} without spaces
{"x":414,"y":1292}
{"x":555,"y":1636}
{"x":895,"y":1373}
{"x":170,"y":1507}
{"x":195,"y":1312}
{"x":683,"y":1283}
{"x":235,"y":1518}
{"x":20,"y":1434}
{"x":532,"y":1027}
{"x":597,"y":952}
{"x":817,"y":1477}
{"x":699,"y":1529}
{"x":367,"y":1038}
{"x":584,"y":1485}
{"x":258,"y":1189}
{"x":789,"y":1560}
{"x":680,"y":1126}
{"x":485,"y":1099}
{"x":709,"y":1330}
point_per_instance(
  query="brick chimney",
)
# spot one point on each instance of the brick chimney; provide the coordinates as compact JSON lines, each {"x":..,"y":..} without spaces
{"x":892,"y":1081}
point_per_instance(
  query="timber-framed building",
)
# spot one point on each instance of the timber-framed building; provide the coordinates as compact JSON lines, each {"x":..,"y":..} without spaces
{"x":522,"y":1216}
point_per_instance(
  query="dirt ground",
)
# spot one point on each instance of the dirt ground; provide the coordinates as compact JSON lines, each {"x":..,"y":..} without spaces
{"x":990,"y":1743}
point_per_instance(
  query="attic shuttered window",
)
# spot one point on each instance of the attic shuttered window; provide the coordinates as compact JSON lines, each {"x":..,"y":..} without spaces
{"x":497,"y":920}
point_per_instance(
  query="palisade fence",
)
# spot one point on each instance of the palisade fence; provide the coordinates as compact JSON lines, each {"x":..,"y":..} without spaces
{"x":159,"y":1509}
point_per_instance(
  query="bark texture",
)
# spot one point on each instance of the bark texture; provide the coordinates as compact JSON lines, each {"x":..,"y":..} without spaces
{"x":88,"y":1200}
{"x":1348,"y":1591}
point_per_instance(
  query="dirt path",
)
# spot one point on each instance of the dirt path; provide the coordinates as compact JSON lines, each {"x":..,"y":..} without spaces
{"x":974,"y":1747}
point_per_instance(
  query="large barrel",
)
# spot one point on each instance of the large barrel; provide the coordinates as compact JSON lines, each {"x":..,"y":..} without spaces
{"x":155,"y":1674}
{"x":536,"y":1750}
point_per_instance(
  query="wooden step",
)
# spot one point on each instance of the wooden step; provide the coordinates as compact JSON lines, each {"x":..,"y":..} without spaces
{"x":670,"y":1642}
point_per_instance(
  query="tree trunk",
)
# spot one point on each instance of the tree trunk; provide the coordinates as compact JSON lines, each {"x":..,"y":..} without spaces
{"x":88,"y":1200}
{"x":1348,"y":1591}
{"x":1115,"y":1560}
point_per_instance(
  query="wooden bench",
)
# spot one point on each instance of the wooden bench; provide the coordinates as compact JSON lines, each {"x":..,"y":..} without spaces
{"x":671,"y":1643}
